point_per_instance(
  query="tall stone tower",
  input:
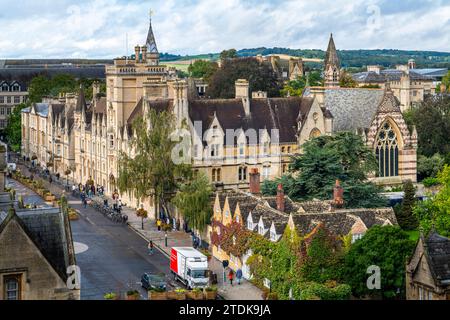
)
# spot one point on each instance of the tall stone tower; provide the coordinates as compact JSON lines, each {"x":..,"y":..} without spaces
{"x":332,"y":65}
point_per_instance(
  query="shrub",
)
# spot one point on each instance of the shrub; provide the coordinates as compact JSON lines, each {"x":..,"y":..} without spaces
{"x":430,"y":182}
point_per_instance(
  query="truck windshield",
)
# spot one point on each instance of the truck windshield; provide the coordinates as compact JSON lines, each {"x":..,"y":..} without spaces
{"x":196,"y":274}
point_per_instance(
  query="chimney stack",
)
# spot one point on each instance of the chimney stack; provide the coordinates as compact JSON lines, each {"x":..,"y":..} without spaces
{"x":255,"y":181}
{"x":338,"y":195}
{"x":280,"y":198}
{"x":137,"y":52}
{"x":243,"y":92}
{"x":144,"y":54}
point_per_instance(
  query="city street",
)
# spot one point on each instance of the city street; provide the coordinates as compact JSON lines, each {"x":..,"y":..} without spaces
{"x":111,"y":256}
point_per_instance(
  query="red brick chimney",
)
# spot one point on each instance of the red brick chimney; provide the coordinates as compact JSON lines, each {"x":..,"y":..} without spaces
{"x":280,"y":198}
{"x":338,"y":196}
{"x":255,"y":181}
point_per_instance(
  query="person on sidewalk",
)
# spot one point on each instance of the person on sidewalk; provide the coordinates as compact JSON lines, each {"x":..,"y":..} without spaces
{"x":239,"y":276}
{"x":159,"y":224}
{"x":85,"y":203}
{"x":150,"y":248}
{"x":231,"y":276}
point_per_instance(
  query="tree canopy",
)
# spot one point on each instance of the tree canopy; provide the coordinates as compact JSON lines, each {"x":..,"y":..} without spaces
{"x":260,"y":76}
{"x":202,"y":69}
{"x":151,"y":170}
{"x":435,"y":212}
{"x":13,"y":130}
{"x":326,"y":159}
{"x":385,"y":247}
{"x":432,"y":120}
{"x":194,"y":201}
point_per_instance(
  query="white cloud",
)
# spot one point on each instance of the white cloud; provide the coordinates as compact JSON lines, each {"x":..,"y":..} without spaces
{"x":98,"y":28}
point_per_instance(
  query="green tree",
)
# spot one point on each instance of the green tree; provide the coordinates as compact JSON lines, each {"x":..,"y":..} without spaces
{"x":63,"y":83}
{"x":202,"y":69}
{"x":326,"y":159}
{"x":228,"y":54}
{"x":194,"y":201}
{"x":346,"y":81}
{"x":323,"y":261}
{"x":13,"y":130}
{"x":294,"y":88}
{"x":315,"y":79}
{"x":405,"y":216}
{"x":152,"y":171}
{"x":385,"y":247}
{"x":432,"y":120}
{"x":39,"y":87}
{"x":429,"y":167}
{"x":435,"y":212}
{"x":446,"y":80}
{"x":260,"y":76}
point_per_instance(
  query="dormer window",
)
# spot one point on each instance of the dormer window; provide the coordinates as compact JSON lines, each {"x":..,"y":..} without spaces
{"x":273,"y":236}
{"x":214,"y":150}
{"x":261,"y":230}
{"x":5,"y":87}
{"x":16,"y":87}
{"x":250,"y":225}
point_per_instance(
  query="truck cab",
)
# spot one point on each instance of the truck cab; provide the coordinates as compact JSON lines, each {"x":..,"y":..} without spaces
{"x":190,"y":267}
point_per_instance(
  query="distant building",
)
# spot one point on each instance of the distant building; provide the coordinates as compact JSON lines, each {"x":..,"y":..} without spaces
{"x":410,"y":85}
{"x":36,"y":250}
{"x":12,"y":93}
{"x":428,"y":271}
{"x":287,"y":68}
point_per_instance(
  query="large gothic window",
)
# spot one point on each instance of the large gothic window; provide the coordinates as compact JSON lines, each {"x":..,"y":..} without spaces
{"x":387,"y":151}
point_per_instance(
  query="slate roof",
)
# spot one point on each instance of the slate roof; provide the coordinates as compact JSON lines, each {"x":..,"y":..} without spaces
{"x":41,"y":109}
{"x":352,"y":109}
{"x":391,"y":75}
{"x":272,"y":113}
{"x":438,"y":253}
{"x":46,"y":228}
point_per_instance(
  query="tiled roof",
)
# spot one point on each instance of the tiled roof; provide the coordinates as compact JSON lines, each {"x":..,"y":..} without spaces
{"x":352,"y":109}
{"x":272,"y":113}
{"x":438,"y":252}
{"x":47,"y":229}
{"x":391,"y":75}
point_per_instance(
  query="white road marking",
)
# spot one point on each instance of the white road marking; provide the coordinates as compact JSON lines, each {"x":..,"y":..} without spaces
{"x":80,"y":247}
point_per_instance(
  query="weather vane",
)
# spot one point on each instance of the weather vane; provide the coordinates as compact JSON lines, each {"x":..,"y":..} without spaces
{"x":151,"y":13}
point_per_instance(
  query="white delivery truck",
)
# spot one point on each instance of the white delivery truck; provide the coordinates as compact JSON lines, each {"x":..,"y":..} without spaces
{"x":190,"y":267}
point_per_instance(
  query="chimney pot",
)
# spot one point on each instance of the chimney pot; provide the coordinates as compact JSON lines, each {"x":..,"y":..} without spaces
{"x":338,"y":195}
{"x":255,"y":181}
{"x":281,"y":203}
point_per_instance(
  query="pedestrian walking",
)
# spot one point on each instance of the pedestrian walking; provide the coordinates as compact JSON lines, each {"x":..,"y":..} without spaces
{"x":231,"y":276}
{"x":159,"y":224}
{"x":150,"y":248}
{"x":85,"y":203}
{"x":239,"y":276}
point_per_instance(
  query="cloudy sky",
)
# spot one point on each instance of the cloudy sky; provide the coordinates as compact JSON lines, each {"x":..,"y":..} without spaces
{"x":98,"y":28}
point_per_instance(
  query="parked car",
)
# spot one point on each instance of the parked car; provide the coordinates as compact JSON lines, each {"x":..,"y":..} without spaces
{"x":151,"y":281}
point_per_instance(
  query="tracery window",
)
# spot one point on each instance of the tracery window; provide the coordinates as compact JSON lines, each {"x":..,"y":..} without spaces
{"x":387,"y":151}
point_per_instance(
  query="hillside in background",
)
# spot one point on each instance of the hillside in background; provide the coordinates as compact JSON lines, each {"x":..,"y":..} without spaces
{"x":349,"y":58}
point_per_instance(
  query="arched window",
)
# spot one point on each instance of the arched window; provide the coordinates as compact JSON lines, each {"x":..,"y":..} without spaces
{"x":315,"y":133}
{"x":387,"y":151}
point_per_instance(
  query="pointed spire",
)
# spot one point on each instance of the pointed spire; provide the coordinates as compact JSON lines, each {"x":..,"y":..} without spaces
{"x":332,"y":65}
{"x":151,"y":42}
{"x":331,"y":57}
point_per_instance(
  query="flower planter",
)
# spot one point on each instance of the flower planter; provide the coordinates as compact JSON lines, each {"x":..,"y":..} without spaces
{"x":153,"y":295}
{"x":195,"y":295}
{"x":210,"y":295}
{"x":172,"y":295}
{"x":133,"y":297}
